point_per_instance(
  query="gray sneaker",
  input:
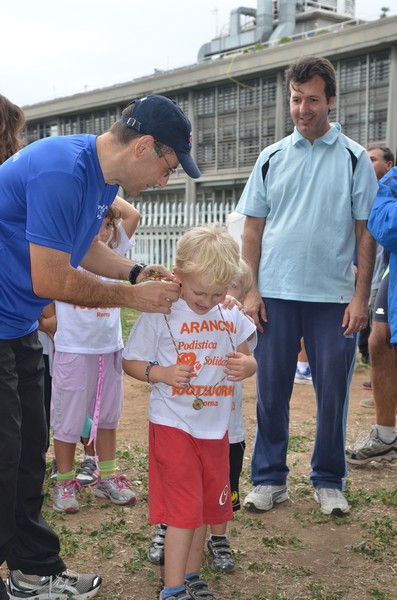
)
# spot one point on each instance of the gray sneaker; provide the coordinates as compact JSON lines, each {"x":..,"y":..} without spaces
{"x":369,"y":447}
{"x":64,"y":586}
{"x":156,"y":549}
{"x":221,"y":553}
{"x":198,"y":589}
{"x":117,"y":489}
{"x":88,"y":473}
{"x":331,"y":501}
{"x":179,"y":596}
{"x":65,"y":496}
{"x":263,"y":497}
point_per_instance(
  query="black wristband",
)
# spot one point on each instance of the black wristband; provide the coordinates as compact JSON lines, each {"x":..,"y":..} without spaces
{"x":136,"y":269}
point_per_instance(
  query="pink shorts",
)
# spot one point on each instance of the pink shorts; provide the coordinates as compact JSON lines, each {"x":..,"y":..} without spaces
{"x":188,"y":479}
{"x":74,"y":390}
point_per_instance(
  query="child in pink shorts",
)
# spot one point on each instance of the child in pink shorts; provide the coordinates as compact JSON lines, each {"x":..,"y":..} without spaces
{"x":87,"y":379}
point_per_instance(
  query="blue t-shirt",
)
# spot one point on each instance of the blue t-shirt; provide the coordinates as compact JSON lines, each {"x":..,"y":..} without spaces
{"x":52,"y":193}
{"x":310,"y":195}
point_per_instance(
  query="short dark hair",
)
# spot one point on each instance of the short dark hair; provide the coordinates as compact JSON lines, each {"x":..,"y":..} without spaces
{"x":388,"y":155}
{"x":122,"y":133}
{"x":307,"y":67}
{"x":125,"y":134}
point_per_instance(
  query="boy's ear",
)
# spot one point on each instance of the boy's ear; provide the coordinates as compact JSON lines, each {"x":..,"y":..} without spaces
{"x":176,"y":275}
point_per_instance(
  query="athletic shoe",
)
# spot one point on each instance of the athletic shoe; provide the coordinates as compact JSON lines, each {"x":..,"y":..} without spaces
{"x":263,"y":497}
{"x":179,"y":596}
{"x":64,"y":586}
{"x":331,"y":501}
{"x":3,"y":590}
{"x":65,"y":496}
{"x":303,"y":376}
{"x":367,"y":402}
{"x":364,"y":360}
{"x":54,"y":471}
{"x":156,"y":549}
{"x":198,"y":589}
{"x":367,"y":385}
{"x":369,"y":447}
{"x":117,"y":489}
{"x":221,"y":553}
{"x":88,"y":473}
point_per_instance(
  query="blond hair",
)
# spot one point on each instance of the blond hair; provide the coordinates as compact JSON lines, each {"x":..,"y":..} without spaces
{"x":211,"y":251}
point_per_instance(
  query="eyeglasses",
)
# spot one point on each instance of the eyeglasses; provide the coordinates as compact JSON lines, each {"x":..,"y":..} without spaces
{"x":170,"y":170}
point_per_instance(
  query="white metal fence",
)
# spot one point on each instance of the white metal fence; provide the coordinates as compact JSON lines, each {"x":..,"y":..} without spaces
{"x":163,"y":223}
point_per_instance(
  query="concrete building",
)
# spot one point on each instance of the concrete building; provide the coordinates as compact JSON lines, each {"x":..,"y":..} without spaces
{"x":236,"y":100}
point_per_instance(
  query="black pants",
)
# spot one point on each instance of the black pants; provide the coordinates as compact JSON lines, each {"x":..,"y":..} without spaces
{"x":47,"y":394}
{"x":236,"y":456}
{"x":26,"y":540}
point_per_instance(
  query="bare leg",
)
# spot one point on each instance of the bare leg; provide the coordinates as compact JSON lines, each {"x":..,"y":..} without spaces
{"x":177,"y":548}
{"x":383,"y":374}
{"x":106,"y":444}
{"x":195,"y":557}
{"x":302,"y":356}
{"x":64,"y":455}
{"x":89,"y":450}
{"x":219,"y":529}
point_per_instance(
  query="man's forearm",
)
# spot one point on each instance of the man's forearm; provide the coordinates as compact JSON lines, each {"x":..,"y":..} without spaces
{"x":103,"y":261}
{"x":366,"y":249}
{"x":252,"y":244}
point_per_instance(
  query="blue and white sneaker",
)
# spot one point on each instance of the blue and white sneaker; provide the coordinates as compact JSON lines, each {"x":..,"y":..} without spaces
{"x":303,"y":376}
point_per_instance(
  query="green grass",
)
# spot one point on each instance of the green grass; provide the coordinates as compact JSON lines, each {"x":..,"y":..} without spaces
{"x":128,"y":318}
{"x":379,"y":541}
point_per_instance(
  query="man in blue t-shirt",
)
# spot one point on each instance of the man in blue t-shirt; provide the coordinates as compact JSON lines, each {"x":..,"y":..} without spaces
{"x":54,"y":195}
{"x":306,"y":203}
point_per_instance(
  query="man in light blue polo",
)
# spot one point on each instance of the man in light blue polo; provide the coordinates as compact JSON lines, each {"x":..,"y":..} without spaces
{"x":306,"y":204}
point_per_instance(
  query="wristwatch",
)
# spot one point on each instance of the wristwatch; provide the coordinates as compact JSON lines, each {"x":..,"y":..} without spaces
{"x":136,"y":269}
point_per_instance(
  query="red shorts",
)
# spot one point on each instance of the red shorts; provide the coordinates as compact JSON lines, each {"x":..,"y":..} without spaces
{"x":188,"y":479}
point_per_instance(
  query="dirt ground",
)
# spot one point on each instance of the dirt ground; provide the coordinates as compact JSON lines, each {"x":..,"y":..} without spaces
{"x":291,"y":552}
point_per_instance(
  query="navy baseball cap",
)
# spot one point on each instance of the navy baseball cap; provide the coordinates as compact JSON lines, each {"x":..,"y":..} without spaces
{"x":167,"y":123}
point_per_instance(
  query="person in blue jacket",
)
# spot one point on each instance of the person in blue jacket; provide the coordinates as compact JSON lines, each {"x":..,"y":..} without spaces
{"x":380,"y":444}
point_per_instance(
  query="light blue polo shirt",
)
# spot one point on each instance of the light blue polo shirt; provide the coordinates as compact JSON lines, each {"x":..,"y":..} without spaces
{"x":310,"y":195}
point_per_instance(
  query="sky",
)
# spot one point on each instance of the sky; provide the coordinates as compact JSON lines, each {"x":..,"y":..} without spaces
{"x":53,"y":49}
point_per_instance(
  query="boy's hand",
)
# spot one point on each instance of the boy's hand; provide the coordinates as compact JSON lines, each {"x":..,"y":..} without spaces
{"x":230,"y":301}
{"x":177,"y":376}
{"x":239,"y":366}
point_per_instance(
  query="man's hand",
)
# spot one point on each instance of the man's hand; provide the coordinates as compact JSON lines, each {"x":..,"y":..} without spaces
{"x":254,"y":307}
{"x":152,"y":296}
{"x":155,"y":273}
{"x":355,"y":318}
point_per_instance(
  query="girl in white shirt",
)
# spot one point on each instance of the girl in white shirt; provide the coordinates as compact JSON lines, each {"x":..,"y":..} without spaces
{"x":87,"y":378}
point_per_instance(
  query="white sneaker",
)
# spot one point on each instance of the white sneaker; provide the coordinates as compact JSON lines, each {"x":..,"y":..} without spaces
{"x":65,"y":496}
{"x":331,"y":501}
{"x":263,"y":497}
{"x":88,"y":473}
{"x":304,"y":377}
